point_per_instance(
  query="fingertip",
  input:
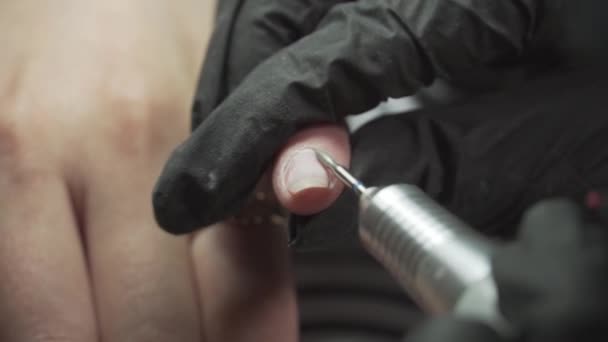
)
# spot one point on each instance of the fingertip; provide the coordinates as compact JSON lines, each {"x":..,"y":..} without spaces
{"x":302,"y":184}
{"x":182,"y":200}
{"x":167,"y":216}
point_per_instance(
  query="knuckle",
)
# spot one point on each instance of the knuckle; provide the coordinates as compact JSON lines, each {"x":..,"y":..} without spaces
{"x":11,"y":141}
{"x":20,"y":164}
{"x":129,"y":134}
{"x":23,"y":163}
{"x":17,"y":168}
{"x":142,"y":119}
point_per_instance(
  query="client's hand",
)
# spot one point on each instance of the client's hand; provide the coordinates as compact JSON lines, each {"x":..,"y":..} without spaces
{"x":93,"y":97}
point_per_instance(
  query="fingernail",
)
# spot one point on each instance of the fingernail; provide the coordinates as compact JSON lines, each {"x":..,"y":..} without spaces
{"x":303,"y":171}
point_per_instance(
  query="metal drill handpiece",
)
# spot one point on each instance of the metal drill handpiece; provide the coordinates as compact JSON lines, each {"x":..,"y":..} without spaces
{"x":340,"y":172}
{"x":443,"y":264}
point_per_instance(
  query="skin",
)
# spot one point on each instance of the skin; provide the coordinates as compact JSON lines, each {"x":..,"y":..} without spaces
{"x":331,"y":139}
{"x":94,"y":95}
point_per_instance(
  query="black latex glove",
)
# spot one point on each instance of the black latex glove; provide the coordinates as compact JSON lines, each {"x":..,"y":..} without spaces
{"x":487,"y":159}
{"x":551,"y":282}
{"x":359,"y":54}
{"x":246,"y":34}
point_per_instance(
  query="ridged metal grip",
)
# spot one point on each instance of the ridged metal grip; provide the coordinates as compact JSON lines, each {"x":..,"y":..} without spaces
{"x":442,"y":263}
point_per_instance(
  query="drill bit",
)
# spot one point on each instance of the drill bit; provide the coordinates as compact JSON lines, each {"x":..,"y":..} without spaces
{"x":340,"y":172}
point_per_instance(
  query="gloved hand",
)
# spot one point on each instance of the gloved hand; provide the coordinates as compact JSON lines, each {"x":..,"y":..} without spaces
{"x":487,"y":159}
{"x":247,"y":33}
{"x":357,"y":55}
{"x":551,"y":282}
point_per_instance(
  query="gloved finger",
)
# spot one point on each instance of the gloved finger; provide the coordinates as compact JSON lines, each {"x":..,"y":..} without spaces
{"x":554,"y":290}
{"x":302,"y":184}
{"x":452,"y":329}
{"x":45,"y":291}
{"x":360,"y":54}
{"x":552,"y":278}
{"x":211,"y":88}
{"x":247,"y":33}
{"x":555,"y":224}
{"x":245,"y":283}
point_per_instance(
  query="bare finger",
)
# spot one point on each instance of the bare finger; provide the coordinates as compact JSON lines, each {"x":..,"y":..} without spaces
{"x":245,"y":282}
{"x":144,"y":283}
{"x":45,"y":292}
